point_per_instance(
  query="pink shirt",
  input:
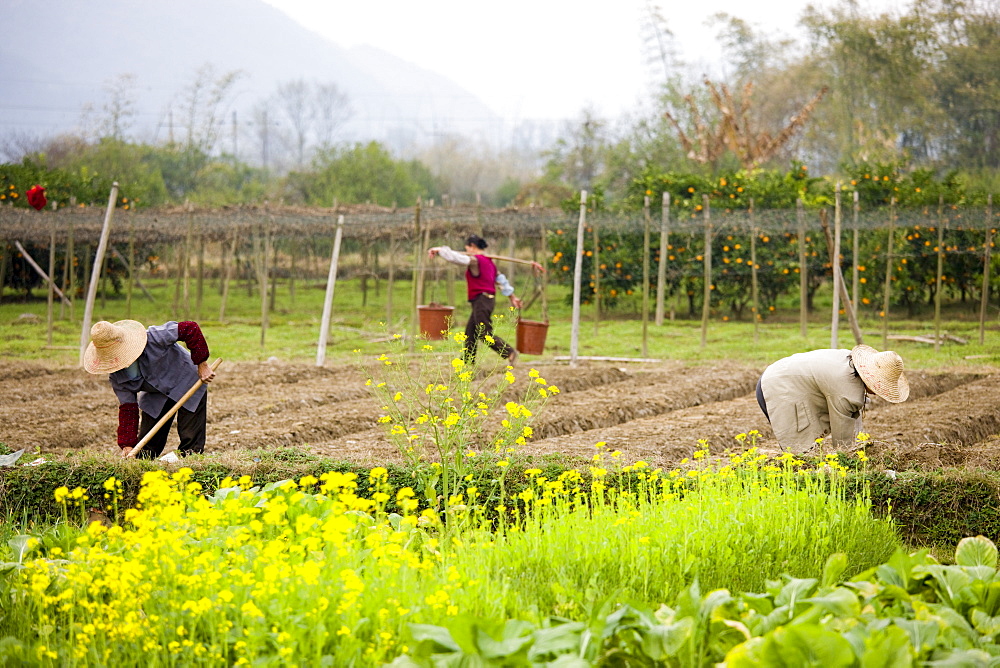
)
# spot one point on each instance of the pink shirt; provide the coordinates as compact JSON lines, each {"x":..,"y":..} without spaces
{"x":485,"y":282}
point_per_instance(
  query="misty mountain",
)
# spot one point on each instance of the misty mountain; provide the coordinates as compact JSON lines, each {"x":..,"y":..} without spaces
{"x":56,"y":56}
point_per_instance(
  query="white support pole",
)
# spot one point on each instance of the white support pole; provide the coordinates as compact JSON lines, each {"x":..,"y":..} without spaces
{"x":331,"y":284}
{"x":574,"y":341}
{"x":95,"y":272}
{"x":837,"y":278}
{"x":661,"y":267}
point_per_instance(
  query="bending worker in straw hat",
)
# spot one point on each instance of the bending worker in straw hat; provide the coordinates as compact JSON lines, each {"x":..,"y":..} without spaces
{"x":808,"y":395}
{"x":150,"y":371}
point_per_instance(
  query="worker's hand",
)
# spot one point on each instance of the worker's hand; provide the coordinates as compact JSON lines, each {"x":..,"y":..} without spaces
{"x":538,"y":269}
{"x":205,"y":372}
{"x":516,"y":302}
{"x":125,"y":450}
{"x":433,"y":251}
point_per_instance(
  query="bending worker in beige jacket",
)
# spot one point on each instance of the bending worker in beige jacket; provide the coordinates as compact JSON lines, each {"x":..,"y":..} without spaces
{"x":808,"y":395}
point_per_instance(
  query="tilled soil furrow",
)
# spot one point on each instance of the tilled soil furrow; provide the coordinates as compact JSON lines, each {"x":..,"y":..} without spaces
{"x":625,"y":402}
{"x":964,"y":415}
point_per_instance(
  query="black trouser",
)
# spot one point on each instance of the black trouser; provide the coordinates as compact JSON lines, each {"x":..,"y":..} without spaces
{"x":760,"y":401}
{"x":190,"y":428}
{"x":480,"y":326}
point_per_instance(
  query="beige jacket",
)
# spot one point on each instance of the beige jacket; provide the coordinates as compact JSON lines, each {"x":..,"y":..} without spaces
{"x":809,"y":395}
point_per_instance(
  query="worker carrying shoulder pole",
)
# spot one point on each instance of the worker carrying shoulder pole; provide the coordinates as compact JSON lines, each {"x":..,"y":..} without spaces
{"x":482,"y":280}
{"x":148,"y":370}
{"x":809,"y":395}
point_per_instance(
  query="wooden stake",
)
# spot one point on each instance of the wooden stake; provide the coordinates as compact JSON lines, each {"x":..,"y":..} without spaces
{"x":52,"y":284}
{"x":391,"y":267}
{"x":855,"y":251}
{"x":227,"y":271}
{"x":88,"y":311}
{"x":838,"y":278}
{"x":661,"y":266}
{"x":985,"y":297}
{"x":803,"y":271}
{"x":888,"y":275}
{"x":754,"y":290}
{"x":706,"y":303}
{"x":596,"y":264}
{"x":574,"y":339}
{"x":331,"y":285}
{"x":645,"y":277}
{"x":940,"y":274}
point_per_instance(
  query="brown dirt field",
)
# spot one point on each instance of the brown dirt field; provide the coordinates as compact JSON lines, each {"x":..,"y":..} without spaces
{"x":656,"y":413}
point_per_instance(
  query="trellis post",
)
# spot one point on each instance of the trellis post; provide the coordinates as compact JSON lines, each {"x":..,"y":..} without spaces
{"x":855,"y":251}
{"x":574,"y":339}
{"x":835,"y":268}
{"x":661,"y":267}
{"x":985,"y":298}
{"x":706,"y":304}
{"x":803,"y":270}
{"x":331,"y":285}
{"x":596,"y":264}
{"x":940,"y":274}
{"x":645,"y":277}
{"x":754,"y":291}
{"x":888,"y":274}
{"x":102,"y":247}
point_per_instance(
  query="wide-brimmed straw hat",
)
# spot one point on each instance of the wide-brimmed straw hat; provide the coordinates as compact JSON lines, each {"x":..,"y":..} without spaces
{"x":113,"y":346}
{"x":882,"y":372}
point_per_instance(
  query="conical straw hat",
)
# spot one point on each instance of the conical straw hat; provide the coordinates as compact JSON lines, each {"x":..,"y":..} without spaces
{"x":882,"y":372}
{"x":113,"y":346}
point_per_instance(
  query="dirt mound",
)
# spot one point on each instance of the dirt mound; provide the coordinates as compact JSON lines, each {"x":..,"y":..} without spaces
{"x":656,"y":413}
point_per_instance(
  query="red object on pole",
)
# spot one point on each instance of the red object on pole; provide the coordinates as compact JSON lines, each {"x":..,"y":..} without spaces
{"x":36,"y":197}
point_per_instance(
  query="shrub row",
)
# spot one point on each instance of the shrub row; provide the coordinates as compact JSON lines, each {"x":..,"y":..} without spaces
{"x":936,"y":508}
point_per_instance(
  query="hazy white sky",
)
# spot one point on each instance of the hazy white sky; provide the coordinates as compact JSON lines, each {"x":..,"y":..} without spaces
{"x":541,"y":58}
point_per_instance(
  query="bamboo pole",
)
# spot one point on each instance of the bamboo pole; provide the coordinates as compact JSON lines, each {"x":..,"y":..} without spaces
{"x":835,"y":269}
{"x":52,"y":283}
{"x":845,"y":299}
{"x":661,"y":266}
{"x":418,"y":256}
{"x":595,"y":234}
{"x":200,"y":281}
{"x":71,"y":251}
{"x":38,"y":270}
{"x":187,"y":261}
{"x":940,"y":275}
{"x":574,"y":339}
{"x":511,"y":252}
{"x":888,"y":275}
{"x":855,"y":251}
{"x":800,"y":216}
{"x":391,"y":269}
{"x":265,"y":284}
{"x":754,"y":285}
{"x":706,"y":303}
{"x":3,"y":268}
{"x":985,"y":297}
{"x":331,"y":285}
{"x":645,"y":277}
{"x":131,"y":265}
{"x":543,"y":244}
{"x":294,"y":252}
{"x":102,"y":246}
{"x":227,"y":271}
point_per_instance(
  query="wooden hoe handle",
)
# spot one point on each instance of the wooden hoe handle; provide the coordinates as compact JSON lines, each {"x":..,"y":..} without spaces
{"x":169,"y":414}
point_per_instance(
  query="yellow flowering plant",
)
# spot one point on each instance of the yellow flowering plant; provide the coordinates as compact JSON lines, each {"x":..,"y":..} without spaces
{"x":456,"y":424}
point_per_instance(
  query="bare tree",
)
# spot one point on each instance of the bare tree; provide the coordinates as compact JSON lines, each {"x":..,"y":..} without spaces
{"x":293,"y":99}
{"x":203,"y":106}
{"x":332,"y":110}
{"x":119,"y":107}
{"x":734,"y":129}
